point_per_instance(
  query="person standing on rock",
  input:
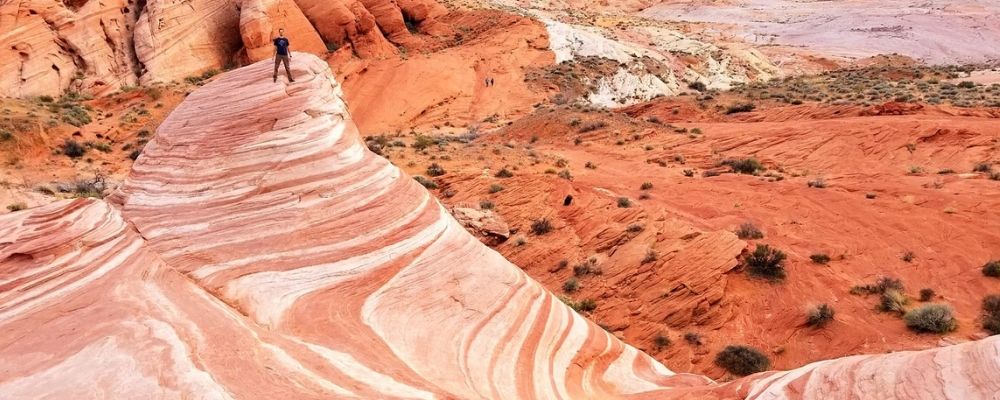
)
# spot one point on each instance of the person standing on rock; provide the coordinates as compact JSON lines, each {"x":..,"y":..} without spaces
{"x":282,"y":55}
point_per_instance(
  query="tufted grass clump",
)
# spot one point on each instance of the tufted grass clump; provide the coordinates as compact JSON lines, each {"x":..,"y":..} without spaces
{"x":766,"y":262}
{"x":931,"y":318}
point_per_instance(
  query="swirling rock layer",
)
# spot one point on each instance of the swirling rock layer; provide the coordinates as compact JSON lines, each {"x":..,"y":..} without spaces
{"x":259,"y":250}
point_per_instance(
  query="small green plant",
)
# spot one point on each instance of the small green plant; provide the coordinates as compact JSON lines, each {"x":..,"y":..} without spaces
{"x":740,"y":108}
{"x":766,"y":262}
{"x":908,"y":256}
{"x":992,"y":268}
{"x":73,"y":149}
{"x":588,"y":267}
{"x":661,"y":341}
{"x":991,"y":314}
{"x":427,"y":183}
{"x":486,"y":205}
{"x":881,"y":285}
{"x":932,"y":318}
{"x":893,"y":301}
{"x":565,"y":174}
{"x":819,"y":316}
{"x":494,"y":188}
{"x":742,"y":360}
{"x":16,"y":206}
{"x":651,"y":256}
{"x":504,"y":173}
{"x":422,"y":142}
{"x":926,"y":294}
{"x":590,"y":165}
{"x":571,"y":285}
{"x":435,"y":170}
{"x":748,"y":231}
{"x":693,"y":338}
{"x":541,"y":226}
{"x":747,"y":166}
{"x":820,"y":258}
{"x":646,"y":186}
{"x":818,"y":183}
{"x":624,"y":202}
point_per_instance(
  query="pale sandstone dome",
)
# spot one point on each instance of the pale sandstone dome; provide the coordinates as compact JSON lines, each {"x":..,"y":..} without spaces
{"x":258,"y":251}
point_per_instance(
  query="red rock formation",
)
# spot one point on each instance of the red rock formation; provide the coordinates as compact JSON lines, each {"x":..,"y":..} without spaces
{"x":48,"y":45}
{"x":176,"y":39}
{"x":265,"y":253}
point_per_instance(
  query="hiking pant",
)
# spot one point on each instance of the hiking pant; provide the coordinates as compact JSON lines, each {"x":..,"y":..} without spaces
{"x":278,"y":59}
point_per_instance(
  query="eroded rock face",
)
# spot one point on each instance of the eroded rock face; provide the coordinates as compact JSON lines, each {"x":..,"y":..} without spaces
{"x":257,"y":231}
{"x":48,"y":46}
{"x":179,"y":38}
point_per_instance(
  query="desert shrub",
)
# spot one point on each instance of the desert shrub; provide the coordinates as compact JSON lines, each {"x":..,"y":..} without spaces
{"x":688,"y":173}
{"x":154,"y":92}
{"x":504,"y":173}
{"x":565,"y":174}
{"x":740,"y":108}
{"x":992,"y":268}
{"x":982,"y":167}
{"x":435,"y":170}
{"x":586,"y":305}
{"x":541,"y":226}
{"x":926,"y":294}
{"x":933,"y":318}
{"x":6,"y":135}
{"x":101,"y":147}
{"x":742,"y":360}
{"x":819,"y":316}
{"x":748,"y":166}
{"x":892,"y":301}
{"x":134,"y":154}
{"x":571,"y":285}
{"x":820,"y":258}
{"x":624,"y":202}
{"x":16,"y":206}
{"x":486,"y":205}
{"x":880,"y":286}
{"x":590,"y":165}
{"x":766,"y":262}
{"x":966,"y":84}
{"x":592,"y":126}
{"x":661,"y":341}
{"x":73,"y":149}
{"x":646,"y":186}
{"x":426,"y":182}
{"x":422,"y":142}
{"x":74,"y":114}
{"x":819,"y":183}
{"x":991,"y":314}
{"x":650,"y":256}
{"x":495,"y":188}
{"x":693,"y":338}
{"x":634,"y":228}
{"x":588,"y":267}
{"x":908,"y":256}
{"x":697,"y":85}
{"x":748,"y":230}
{"x":45,"y":99}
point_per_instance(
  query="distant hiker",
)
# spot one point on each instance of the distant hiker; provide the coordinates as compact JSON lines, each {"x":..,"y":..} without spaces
{"x":568,"y":200}
{"x":492,"y":83}
{"x":487,"y":80}
{"x":282,"y":55}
